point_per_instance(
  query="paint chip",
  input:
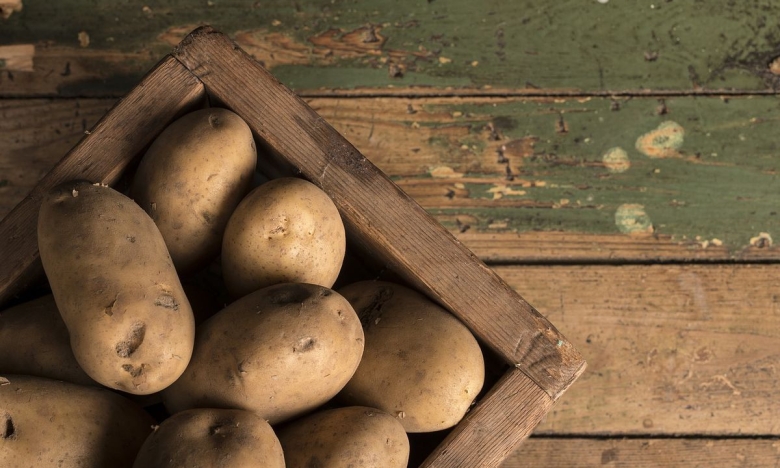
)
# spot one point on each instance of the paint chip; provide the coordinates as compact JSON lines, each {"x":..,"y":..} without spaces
{"x":499,"y":190}
{"x":17,"y":57}
{"x":9,"y":7}
{"x":663,"y":142}
{"x":444,"y":172}
{"x":762,"y":240}
{"x":616,"y":160}
{"x":83,"y":39}
{"x":774,"y":66}
{"x":631,"y":218}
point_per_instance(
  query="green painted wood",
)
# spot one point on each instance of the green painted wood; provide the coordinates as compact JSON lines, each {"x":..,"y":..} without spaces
{"x":528,"y":180}
{"x":87,"y":48}
{"x":700,"y":172}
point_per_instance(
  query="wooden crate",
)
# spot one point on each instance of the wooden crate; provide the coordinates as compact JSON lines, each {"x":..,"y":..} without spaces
{"x":381,"y":221}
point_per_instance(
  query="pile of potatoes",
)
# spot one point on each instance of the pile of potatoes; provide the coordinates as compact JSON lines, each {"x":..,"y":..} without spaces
{"x":289,"y":373}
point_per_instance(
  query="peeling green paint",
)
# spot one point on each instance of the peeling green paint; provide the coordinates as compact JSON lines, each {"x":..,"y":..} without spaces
{"x":527,"y":44}
{"x":722,"y":187}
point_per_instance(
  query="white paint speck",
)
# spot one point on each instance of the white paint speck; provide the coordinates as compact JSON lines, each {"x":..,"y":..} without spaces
{"x":616,"y":160}
{"x":631,"y":218}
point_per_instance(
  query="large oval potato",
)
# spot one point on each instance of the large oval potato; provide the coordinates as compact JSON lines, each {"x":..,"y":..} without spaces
{"x":286,"y":230}
{"x":34,"y":341}
{"x":131,"y":327}
{"x":212,"y":438}
{"x":192,"y":178}
{"x":280,"y":351}
{"x":420,"y":363}
{"x":356,"y":437}
{"x":47,"y":423}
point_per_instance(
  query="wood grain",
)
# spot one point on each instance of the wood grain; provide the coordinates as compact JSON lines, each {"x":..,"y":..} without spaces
{"x":495,"y":426}
{"x":540,"y":452}
{"x":519,"y":47}
{"x":34,"y":135}
{"x":561,"y":204}
{"x":395,"y":231}
{"x":671,"y":349}
{"x":109,"y":147}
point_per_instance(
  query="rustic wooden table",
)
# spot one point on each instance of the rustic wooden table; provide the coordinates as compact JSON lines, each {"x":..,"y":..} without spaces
{"x":616,"y":162}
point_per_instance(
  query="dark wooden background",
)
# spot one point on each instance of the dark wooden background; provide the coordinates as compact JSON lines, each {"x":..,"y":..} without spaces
{"x":616,"y":162}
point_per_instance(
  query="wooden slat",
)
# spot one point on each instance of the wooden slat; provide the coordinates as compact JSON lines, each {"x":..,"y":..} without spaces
{"x":380,"y":217}
{"x":34,"y":135}
{"x":710,"y":208}
{"x":522,"y":47}
{"x":540,"y":452}
{"x":671,"y":349}
{"x":495,"y":427}
{"x":119,"y":137}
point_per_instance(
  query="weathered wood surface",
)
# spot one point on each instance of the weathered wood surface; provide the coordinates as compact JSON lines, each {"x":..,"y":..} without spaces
{"x":496,"y":426}
{"x":505,"y":179}
{"x":671,"y":349}
{"x":540,"y":452}
{"x":114,"y":142}
{"x":520,"y":47}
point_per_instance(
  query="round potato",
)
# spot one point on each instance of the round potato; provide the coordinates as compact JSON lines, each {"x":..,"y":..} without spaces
{"x":356,"y":436}
{"x":420,"y":363}
{"x":192,"y":178}
{"x":34,"y":341}
{"x":47,"y":423}
{"x":212,"y":438}
{"x":280,"y":352}
{"x":131,"y":327}
{"x":286,"y":230}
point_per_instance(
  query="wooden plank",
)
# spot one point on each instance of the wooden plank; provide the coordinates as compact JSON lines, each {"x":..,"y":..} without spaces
{"x":447,"y":154}
{"x":671,"y":349}
{"x":540,"y":452}
{"x":495,"y":427}
{"x":395,"y":231}
{"x":520,"y":47}
{"x":34,"y":135}
{"x":683,"y":178}
{"x":116,"y":140}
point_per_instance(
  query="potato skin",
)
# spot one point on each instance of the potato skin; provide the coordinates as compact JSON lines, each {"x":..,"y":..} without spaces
{"x":286,"y":230}
{"x":356,"y":437}
{"x":280,"y":352}
{"x":47,"y":423}
{"x":420,"y":363}
{"x":192,"y":178}
{"x":34,"y":341}
{"x":212,"y":438}
{"x":131,"y":327}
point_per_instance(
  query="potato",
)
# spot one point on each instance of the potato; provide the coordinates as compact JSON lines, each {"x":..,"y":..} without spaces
{"x":192,"y":178}
{"x":34,"y":341}
{"x":280,"y":352}
{"x":131,"y":327}
{"x":212,"y":438}
{"x":48,"y":423}
{"x":420,"y":363}
{"x":357,"y":437}
{"x":286,"y":230}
